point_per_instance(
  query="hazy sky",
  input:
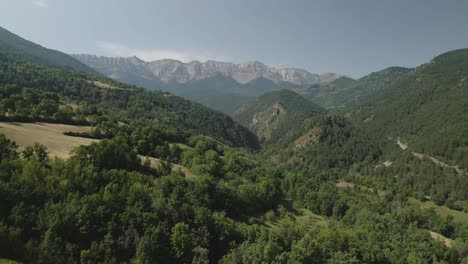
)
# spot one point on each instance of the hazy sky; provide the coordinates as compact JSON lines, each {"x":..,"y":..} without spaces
{"x":348,"y":37}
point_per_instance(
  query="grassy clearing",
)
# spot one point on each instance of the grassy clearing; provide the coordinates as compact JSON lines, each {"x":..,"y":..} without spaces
{"x":180,"y":145}
{"x":444,"y":211}
{"x":344,"y":184}
{"x":7,"y":261}
{"x":50,"y":135}
{"x":104,"y":85}
{"x":305,"y":217}
{"x":154,"y":163}
{"x":302,"y":217}
{"x":445,"y":240}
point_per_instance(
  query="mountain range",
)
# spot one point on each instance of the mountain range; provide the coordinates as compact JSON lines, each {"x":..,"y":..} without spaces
{"x":168,"y":70}
{"x":223,"y":86}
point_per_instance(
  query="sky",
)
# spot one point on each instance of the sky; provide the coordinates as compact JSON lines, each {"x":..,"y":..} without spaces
{"x":353,"y":38}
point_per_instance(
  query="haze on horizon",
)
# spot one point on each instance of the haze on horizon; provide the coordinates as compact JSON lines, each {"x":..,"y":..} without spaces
{"x":347,"y":37}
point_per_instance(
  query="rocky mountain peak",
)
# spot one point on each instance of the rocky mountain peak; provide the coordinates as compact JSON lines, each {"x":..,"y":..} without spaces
{"x":135,"y":59}
{"x":168,"y":70}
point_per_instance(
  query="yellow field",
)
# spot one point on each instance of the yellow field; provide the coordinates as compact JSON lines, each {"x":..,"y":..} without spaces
{"x":50,"y":135}
{"x":60,"y":145}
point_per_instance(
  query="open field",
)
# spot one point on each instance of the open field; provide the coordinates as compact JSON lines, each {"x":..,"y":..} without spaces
{"x":58,"y":144}
{"x":50,"y":135}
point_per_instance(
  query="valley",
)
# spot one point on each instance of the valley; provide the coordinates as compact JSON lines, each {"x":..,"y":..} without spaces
{"x":222,"y":86}
{"x":124,"y":160}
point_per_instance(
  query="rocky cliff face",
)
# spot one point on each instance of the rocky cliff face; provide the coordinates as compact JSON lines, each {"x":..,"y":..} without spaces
{"x":262,"y":121}
{"x":272,"y":115}
{"x":168,"y":70}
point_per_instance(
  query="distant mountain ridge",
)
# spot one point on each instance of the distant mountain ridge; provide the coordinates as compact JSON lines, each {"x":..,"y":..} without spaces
{"x":223,"y":86}
{"x":345,"y":91}
{"x":168,"y":70}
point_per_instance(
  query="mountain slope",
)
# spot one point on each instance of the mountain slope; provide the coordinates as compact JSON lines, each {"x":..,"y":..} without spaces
{"x":218,"y":92}
{"x":427,"y":108}
{"x":325,"y":141}
{"x":374,"y":83}
{"x":272,"y":115}
{"x":222,"y":92}
{"x":326,"y":94}
{"x":345,"y":91}
{"x":91,"y":95}
{"x":18,"y":48}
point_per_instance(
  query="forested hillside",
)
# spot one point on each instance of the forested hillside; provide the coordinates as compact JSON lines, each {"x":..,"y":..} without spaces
{"x":18,"y":48}
{"x":272,"y":115}
{"x":339,"y":149}
{"x":33,"y":92}
{"x":347,"y":92}
{"x":426,"y":109}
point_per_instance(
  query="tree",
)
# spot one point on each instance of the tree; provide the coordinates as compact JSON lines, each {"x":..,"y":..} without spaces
{"x":37,"y":152}
{"x":200,"y":256}
{"x":109,"y":154}
{"x":8,"y":148}
{"x":152,"y":248}
{"x":181,"y":241}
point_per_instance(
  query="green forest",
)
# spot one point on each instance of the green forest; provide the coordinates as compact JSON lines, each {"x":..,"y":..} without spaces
{"x":329,"y":187}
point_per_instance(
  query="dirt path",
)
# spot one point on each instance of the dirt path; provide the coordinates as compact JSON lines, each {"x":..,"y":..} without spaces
{"x":436,"y":161}
{"x":404,"y":146}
